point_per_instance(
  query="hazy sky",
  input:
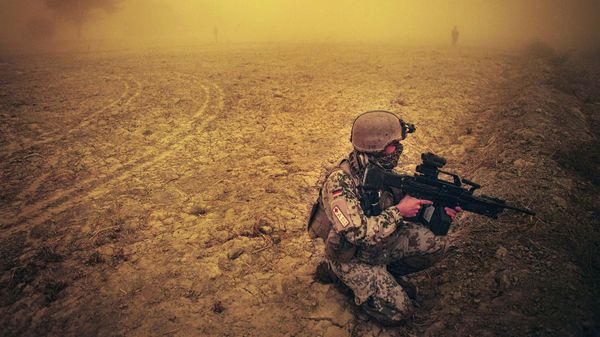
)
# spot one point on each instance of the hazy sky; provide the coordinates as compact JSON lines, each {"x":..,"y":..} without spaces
{"x":506,"y":22}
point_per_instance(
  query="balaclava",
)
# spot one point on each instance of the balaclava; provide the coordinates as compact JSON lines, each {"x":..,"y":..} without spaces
{"x":387,"y":161}
{"x":359,"y":160}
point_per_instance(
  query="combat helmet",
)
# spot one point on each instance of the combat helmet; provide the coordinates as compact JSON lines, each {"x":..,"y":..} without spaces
{"x":373,"y":130}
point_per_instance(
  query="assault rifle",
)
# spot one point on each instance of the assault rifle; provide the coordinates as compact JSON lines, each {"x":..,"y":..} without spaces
{"x":425,"y":184}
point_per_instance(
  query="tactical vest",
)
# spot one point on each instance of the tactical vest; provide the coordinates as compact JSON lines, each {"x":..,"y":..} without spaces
{"x":319,"y":226}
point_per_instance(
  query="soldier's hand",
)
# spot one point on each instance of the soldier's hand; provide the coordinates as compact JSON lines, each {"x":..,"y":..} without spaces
{"x":452,"y":212}
{"x":409,"y":207}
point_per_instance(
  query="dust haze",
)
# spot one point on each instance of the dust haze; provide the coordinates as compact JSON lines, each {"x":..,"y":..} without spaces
{"x":158,"y":160}
{"x":104,"y":23}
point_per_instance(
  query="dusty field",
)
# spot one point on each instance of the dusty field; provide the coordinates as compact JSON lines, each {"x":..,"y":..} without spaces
{"x":165,"y":193}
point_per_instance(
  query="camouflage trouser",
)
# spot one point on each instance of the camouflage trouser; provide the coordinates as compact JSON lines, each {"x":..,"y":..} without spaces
{"x":375,"y":289}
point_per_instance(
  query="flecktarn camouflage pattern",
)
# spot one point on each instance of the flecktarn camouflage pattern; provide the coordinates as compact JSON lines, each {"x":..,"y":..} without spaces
{"x":342,"y":206}
{"x":378,"y":241}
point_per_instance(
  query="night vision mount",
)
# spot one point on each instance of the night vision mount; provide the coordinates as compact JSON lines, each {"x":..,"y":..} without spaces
{"x":407,"y":128}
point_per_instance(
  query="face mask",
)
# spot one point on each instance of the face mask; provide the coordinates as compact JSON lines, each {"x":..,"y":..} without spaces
{"x":385,"y":160}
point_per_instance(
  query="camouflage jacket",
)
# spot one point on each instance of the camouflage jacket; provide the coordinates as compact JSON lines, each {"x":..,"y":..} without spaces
{"x":341,"y":201}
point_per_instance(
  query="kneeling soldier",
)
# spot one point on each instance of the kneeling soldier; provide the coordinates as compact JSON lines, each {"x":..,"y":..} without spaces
{"x":363,"y":246}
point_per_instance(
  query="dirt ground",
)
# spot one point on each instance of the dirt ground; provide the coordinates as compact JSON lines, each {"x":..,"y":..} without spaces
{"x":165,"y":192}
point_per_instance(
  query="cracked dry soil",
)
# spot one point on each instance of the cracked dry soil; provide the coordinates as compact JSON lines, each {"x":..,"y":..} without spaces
{"x":165,"y":192}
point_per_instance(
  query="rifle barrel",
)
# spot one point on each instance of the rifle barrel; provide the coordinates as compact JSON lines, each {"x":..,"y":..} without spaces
{"x":522,"y":210}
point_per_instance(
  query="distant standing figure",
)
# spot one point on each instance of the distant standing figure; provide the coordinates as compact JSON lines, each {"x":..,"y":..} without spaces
{"x":216,"y":34}
{"x":454,"y":35}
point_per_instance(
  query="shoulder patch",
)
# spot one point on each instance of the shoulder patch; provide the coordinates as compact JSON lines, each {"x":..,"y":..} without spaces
{"x":341,"y":217}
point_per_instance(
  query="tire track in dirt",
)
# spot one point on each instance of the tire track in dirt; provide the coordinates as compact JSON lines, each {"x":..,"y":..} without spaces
{"x":31,"y":190}
{"x":88,"y":120}
{"x":91,"y":188}
{"x":126,"y":98}
{"x":50,"y":137}
{"x":140,"y":160}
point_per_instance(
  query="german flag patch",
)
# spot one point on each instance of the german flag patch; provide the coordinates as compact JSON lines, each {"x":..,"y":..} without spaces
{"x":337,"y":193}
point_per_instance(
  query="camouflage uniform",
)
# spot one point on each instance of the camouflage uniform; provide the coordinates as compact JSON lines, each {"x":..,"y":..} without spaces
{"x":377,"y":242}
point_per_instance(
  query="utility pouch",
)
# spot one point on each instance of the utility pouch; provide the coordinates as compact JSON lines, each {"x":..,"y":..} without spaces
{"x":318,"y":225}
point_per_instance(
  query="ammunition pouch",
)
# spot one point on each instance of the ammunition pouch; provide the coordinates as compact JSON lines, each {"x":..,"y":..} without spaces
{"x":319,"y":225}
